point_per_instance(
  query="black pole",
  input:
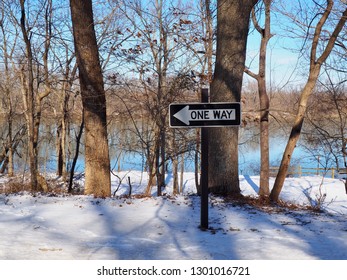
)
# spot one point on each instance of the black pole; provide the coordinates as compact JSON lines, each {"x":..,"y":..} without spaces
{"x":204,"y":167}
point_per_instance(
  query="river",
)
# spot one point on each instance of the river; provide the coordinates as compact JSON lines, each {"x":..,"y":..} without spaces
{"x":122,"y":159}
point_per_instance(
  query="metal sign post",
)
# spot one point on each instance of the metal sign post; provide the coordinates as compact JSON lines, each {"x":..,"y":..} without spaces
{"x":204,"y":115}
{"x":204,"y":169}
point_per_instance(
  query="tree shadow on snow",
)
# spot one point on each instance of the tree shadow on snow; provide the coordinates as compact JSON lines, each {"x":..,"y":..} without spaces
{"x":249,"y":180}
{"x":169,"y":231}
{"x":121,"y":228}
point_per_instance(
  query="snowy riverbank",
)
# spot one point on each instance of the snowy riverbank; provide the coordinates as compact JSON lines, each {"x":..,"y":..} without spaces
{"x":81,"y":227}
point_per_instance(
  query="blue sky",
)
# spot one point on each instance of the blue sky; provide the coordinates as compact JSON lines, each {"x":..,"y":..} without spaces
{"x":284,"y":63}
{"x":282,"y":54}
{"x":281,"y":62}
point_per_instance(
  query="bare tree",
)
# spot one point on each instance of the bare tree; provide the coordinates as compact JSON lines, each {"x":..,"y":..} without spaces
{"x":64,"y":118}
{"x":209,"y":38}
{"x":8,"y":97}
{"x":158,"y":52}
{"x":260,"y":77}
{"x":64,"y":97}
{"x":327,"y":119}
{"x":32,"y":95}
{"x":206,"y":73}
{"x":232,"y":31}
{"x":316,"y":62}
{"x":97,"y":162}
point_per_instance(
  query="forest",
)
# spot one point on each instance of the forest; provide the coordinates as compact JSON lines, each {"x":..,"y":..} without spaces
{"x":92,"y":80}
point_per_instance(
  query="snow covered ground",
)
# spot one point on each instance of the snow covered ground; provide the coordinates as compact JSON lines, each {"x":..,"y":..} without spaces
{"x":166,"y":228}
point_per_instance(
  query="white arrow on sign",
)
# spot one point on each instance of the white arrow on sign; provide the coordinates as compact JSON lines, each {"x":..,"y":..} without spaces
{"x":186,"y":116}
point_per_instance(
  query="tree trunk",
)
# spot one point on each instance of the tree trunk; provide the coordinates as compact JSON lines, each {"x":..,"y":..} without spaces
{"x":315,"y":66}
{"x":61,"y":132}
{"x":174,"y":159}
{"x":5,"y":156}
{"x":232,"y":31}
{"x":162,"y":161}
{"x":294,"y":135}
{"x":197,"y":161}
{"x":59,"y":151}
{"x":77,"y":152}
{"x":264,"y":190}
{"x":264,"y":102}
{"x":9,"y":110}
{"x":27,"y":83}
{"x":152,"y":158}
{"x":209,"y":40}
{"x":175,"y":175}
{"x":10,"y":169}
{"x":9,"y":117}
{"x":182,"y":174}
{"x":32,"y":98}
{"x":65,"y":119}
{"x":97,"y":162}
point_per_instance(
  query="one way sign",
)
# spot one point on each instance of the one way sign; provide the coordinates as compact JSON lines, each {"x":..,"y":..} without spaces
{"x":205,"y":114}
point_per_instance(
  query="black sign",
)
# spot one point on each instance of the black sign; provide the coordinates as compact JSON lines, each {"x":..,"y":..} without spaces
{"x":205,"y":114}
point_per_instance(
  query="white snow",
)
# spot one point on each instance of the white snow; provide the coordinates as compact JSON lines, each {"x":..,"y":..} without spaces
{"x":80,"y":227}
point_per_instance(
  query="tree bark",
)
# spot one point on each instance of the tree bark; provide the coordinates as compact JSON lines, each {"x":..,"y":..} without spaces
{"x":97,"y":162}
{"x":232,"y":31}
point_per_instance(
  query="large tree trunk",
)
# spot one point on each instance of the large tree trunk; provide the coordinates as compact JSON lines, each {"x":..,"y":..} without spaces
{"x":97,"y":162}
{"x":232,"y":31}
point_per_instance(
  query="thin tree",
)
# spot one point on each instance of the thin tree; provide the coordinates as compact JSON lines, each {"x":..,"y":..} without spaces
{"x":162,"y":59}
{"x":329,"y":120}
{"x":316,"y":63}
{"x":264,"y":102}
{"x":232,"y":31}
{"x":206,"y":72}
{"x":65,"y":58}
{"x":32,"y":95}
{"x":97,"y":162}
{"x":8,"y":96}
